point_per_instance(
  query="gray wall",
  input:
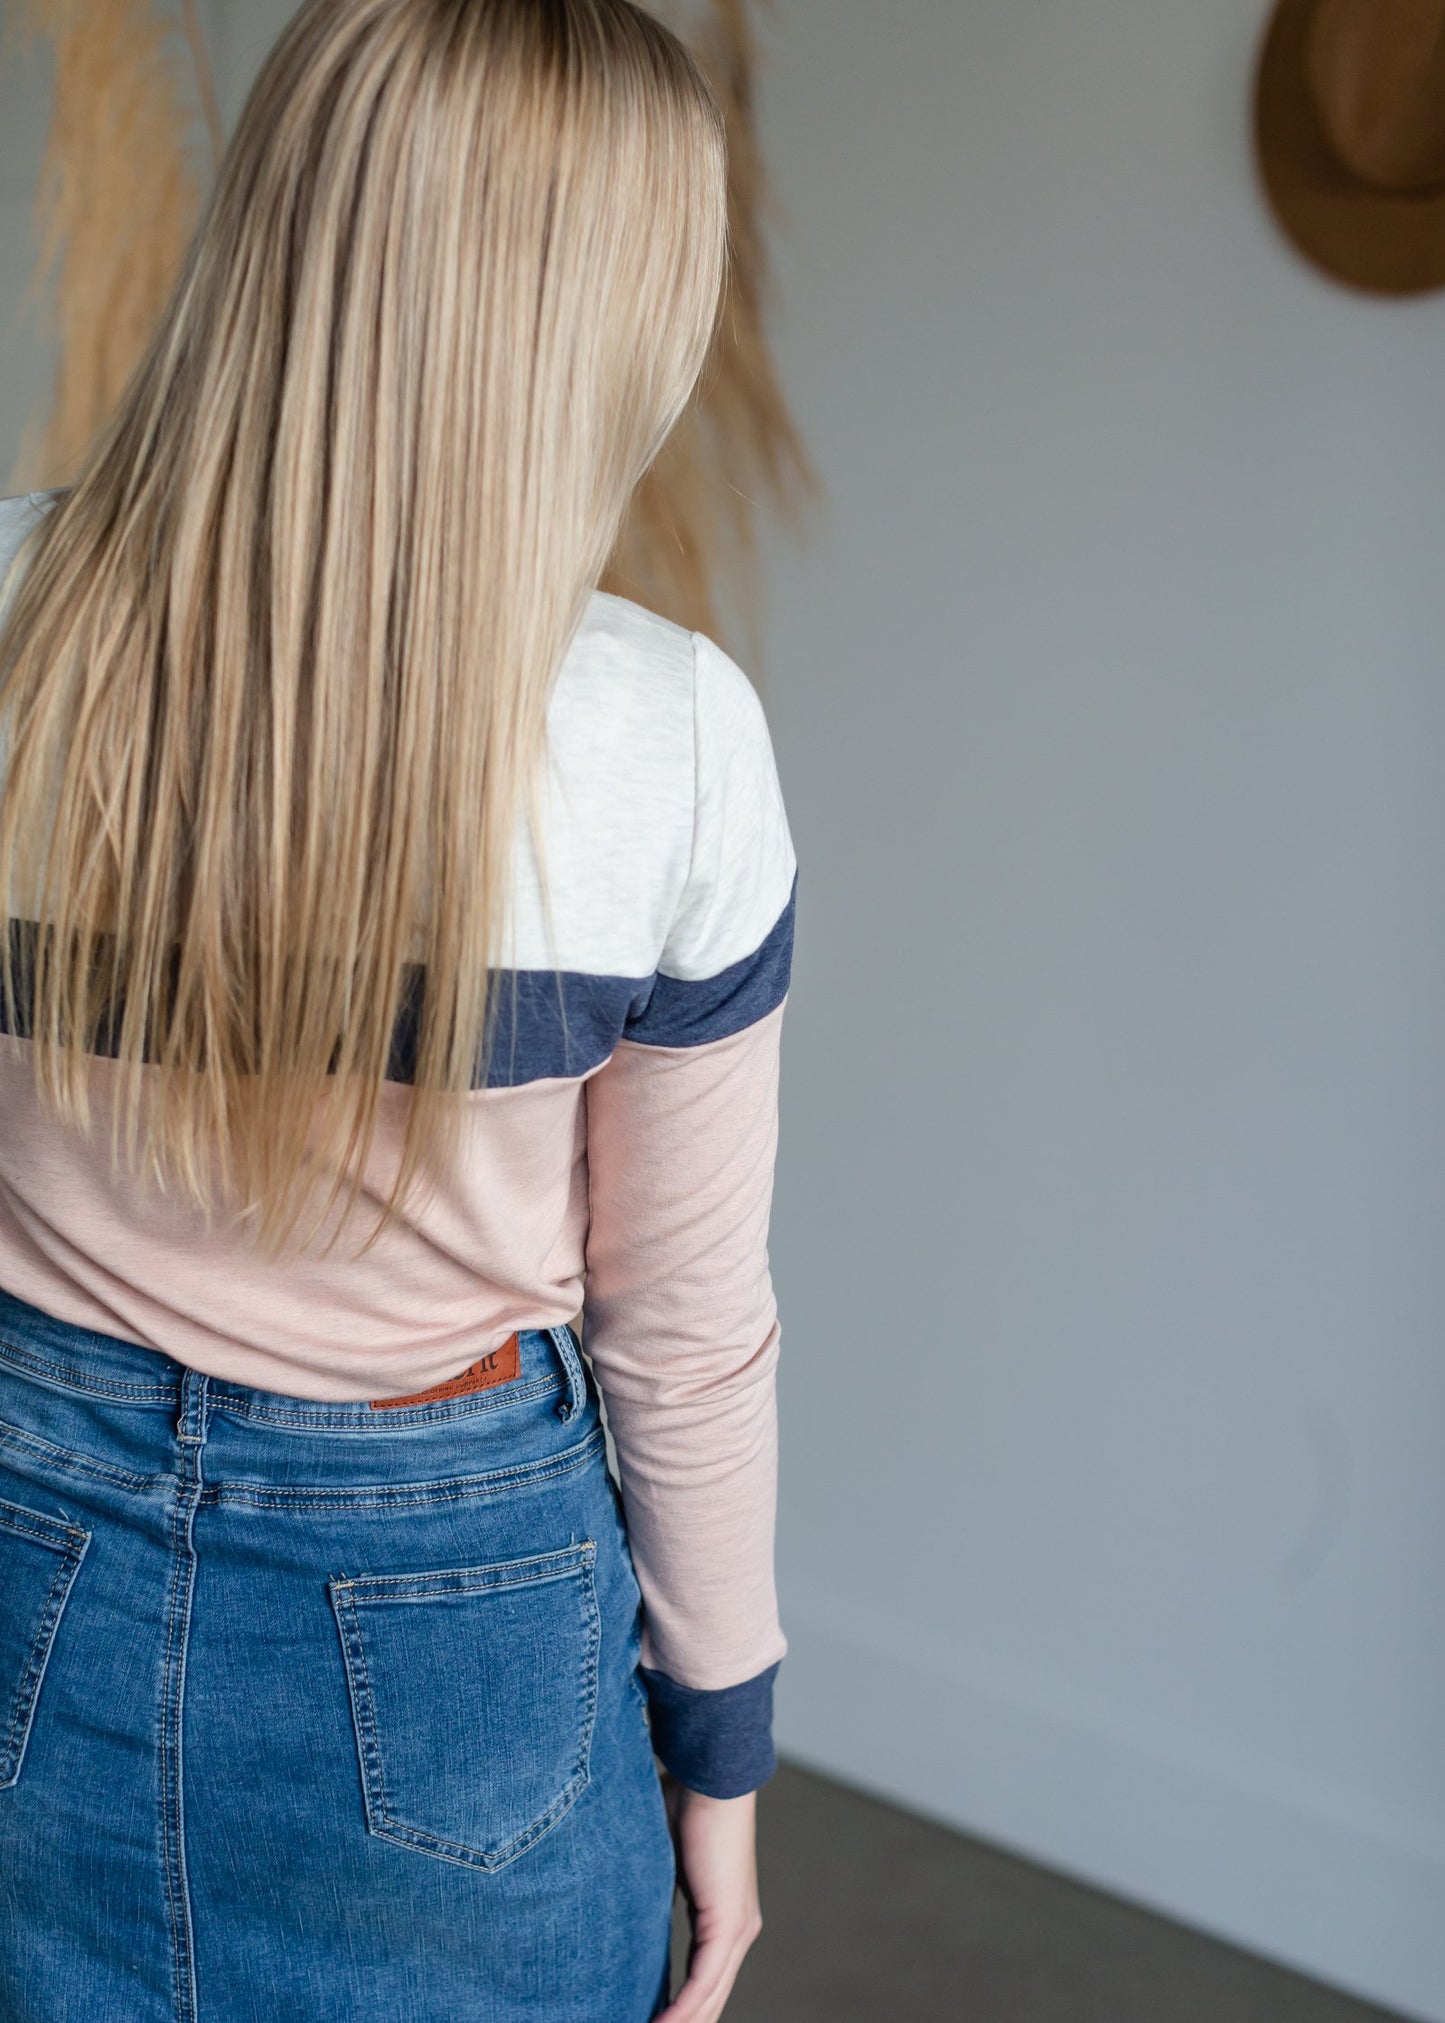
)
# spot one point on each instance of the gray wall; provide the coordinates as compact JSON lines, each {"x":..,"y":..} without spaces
{"x":24,"y":358}
{"x":1111,"y":711}
{"x":1110,"y":705}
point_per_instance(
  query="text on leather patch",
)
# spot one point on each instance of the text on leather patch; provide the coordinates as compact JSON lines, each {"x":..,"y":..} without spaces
{"x":502,"y":1366}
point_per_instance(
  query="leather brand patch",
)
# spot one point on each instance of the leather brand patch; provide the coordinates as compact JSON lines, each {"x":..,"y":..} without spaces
{"x":502,"y":1366}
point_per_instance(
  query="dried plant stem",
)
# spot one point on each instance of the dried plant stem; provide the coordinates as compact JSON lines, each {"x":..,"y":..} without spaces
{"x":115,"y":207}
{"x":737,"y":456}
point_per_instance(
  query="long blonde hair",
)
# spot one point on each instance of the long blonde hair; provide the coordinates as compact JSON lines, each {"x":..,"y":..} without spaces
{"x":277,"y":667}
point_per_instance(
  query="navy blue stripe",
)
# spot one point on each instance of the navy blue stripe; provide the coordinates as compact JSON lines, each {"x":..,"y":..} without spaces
{"x":546,"y":1024}
{"x":689,"y":1014}
{"x":719,"y":1743}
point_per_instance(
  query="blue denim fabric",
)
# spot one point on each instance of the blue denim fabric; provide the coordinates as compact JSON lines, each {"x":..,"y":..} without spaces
{"x":313,"y":1712}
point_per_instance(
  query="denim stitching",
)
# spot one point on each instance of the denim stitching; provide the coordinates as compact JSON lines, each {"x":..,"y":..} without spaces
{"x":584,"y":1563}
{"x":34,"y":1524}
{"x":178,"y":1617}
{"x":509,"y":1851}
{"x":527,"y":1572}
{"x":480,"y":1587}
{"x":79,"y":1464}
{"x":63,"y":1377}
{"x":164,"y":1781}
{"x":383,"y":1496}
{"x":395,"y":1830}
{"x":446,"y":1850}
{"x":594,"y":1654}
{"x":397,"y":1417}
{"x":571,"y":1361}
{"x":34,"y":1665}
{"x":363,"y":1701}
{"x":27,"y":1692}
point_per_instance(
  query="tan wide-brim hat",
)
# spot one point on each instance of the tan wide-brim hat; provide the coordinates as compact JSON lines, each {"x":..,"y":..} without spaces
{"x":1350,"y":130}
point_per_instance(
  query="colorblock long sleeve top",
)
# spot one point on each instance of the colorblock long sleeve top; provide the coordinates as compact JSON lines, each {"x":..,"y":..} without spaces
{"x":619,"y":1160}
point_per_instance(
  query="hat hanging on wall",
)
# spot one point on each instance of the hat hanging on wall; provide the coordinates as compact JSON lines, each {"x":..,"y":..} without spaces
{"x":1350,"y":128}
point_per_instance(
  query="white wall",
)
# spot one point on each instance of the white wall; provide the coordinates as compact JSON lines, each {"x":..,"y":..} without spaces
{"x":1110,"y":704}
{"x":1111,"y":711}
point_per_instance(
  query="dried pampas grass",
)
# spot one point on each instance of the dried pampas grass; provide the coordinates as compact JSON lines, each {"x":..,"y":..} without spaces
{"x":119,"y":194}
{"x":737,"y":454}
{"x":118,"y":198}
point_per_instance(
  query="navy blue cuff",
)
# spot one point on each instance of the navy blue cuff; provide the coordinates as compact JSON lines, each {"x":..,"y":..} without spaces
{"x":719,"y":1743}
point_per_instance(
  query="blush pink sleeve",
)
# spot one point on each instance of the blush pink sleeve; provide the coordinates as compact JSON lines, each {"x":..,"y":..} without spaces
{"x":682,"y":1330}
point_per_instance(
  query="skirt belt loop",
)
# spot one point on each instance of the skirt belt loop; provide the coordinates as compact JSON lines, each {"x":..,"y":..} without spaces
{"x":569,"y":1353}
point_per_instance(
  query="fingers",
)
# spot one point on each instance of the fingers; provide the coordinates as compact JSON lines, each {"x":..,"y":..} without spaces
{"x":712,"y":1974}
{"x":716,"y":1840}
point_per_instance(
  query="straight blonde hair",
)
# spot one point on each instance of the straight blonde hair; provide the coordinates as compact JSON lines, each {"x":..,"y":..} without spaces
{"x":277,"y":666}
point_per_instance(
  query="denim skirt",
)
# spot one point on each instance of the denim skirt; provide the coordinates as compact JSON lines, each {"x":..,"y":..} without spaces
{"x":313,"y":1712}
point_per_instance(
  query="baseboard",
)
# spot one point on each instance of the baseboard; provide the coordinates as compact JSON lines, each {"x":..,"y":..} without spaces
{"x":1228,"y":1844}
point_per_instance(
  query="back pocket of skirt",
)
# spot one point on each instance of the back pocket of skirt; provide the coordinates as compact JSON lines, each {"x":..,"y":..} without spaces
{"x":39,"y":1556}
{"x":473,"y":1692}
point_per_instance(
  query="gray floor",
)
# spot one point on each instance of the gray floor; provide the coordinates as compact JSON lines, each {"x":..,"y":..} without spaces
{"x":873,"y":1916}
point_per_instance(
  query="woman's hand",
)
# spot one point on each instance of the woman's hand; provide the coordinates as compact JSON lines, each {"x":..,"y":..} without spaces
{"x":716,"y":1842}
